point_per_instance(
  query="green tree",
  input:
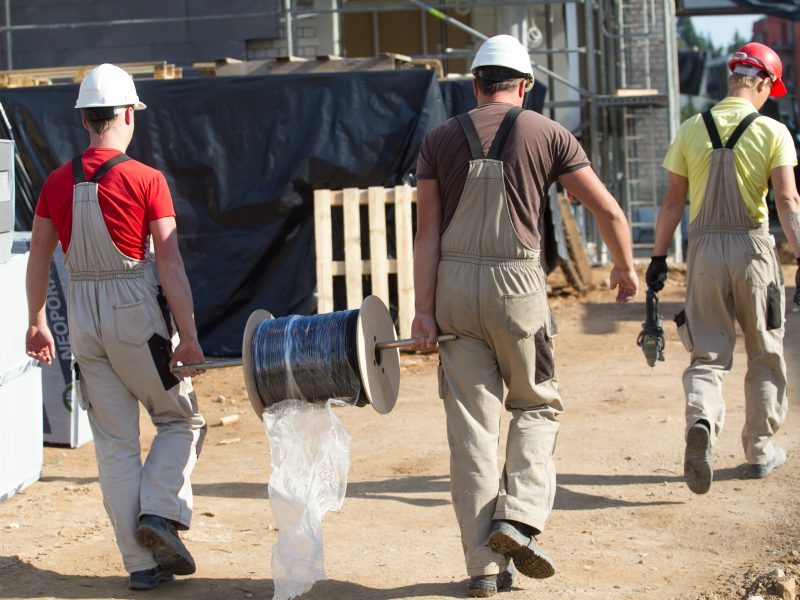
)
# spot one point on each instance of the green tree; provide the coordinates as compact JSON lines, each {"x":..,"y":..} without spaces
{"x":689,"y":39}
{"x":737,"y":42}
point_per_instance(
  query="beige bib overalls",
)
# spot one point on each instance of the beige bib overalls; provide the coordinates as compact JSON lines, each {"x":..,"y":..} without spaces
{"x":491,"y":292}
{"x":734,"y":273}
{"x":120,"y":330}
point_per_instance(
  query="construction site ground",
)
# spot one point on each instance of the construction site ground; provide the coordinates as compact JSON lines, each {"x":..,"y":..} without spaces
{"x":624,"y":526}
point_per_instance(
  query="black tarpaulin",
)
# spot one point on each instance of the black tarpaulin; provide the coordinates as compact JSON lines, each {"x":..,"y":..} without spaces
{"x":691,"y":65}
{"x":459,"y":98}
{"x":242,"y":156}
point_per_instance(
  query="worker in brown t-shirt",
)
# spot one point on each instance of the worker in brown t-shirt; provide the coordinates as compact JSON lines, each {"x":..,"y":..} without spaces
{"x":483,"y":179}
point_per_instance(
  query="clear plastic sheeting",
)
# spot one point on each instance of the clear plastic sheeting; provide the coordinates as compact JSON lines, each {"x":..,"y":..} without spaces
{"x":310,"y":451}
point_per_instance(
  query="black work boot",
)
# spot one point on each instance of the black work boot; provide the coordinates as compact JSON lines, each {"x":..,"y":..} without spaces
{"x":160,"y":535}
{"x":149,"y":578}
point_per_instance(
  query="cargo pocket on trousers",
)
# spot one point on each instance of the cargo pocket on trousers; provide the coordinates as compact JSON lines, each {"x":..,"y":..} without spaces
{"x":545,"y":367}
{"x":132,"y":323}
{"x":443,"y":387}
{"x":161,"y":351}
{"x":774,"y":312}
{"x":523,"y":314}
{"x":683,"y":331}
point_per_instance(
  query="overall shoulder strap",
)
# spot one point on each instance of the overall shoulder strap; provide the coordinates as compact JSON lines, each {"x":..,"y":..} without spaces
{"x":502,"y":132}
{"x":107,"y":166}
{"x":716,"y":143}
{"x":78,"y":175}
{"x":740,"y":129}
{"x":473,"y":139}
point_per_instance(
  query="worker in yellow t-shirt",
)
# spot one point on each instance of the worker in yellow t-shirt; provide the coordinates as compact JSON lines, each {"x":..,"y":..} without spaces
{"x":724,"y":158}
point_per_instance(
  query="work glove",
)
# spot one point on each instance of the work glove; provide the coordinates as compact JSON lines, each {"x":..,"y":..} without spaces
{"x":656,"y":273}
{"x":797,"y":283}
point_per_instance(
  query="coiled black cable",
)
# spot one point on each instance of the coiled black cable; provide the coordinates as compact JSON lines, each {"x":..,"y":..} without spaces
{"x":307,"y":358}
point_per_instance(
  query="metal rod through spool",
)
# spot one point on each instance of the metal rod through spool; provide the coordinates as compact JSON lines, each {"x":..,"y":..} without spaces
{"x":227,"y":363}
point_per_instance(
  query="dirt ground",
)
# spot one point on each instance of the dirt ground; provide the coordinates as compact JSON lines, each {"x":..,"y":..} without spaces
{"x":624,"y":526}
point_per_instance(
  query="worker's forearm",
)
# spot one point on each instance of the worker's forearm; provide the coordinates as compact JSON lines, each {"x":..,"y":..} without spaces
{"x":669,"y":216}
{"x":426,"y":265}
{"x":789,"y":216}
{"x":617,"y":235}
{"x":37,"y":278}
{"x":179,"y":296}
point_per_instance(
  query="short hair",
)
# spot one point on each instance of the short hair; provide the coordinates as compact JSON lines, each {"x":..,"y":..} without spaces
{"x":492,"y":80}
{"x":739,"y":80}
{"x":100,"y":119}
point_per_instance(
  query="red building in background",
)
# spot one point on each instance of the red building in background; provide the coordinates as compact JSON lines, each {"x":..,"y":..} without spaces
{"x":780,"y":35}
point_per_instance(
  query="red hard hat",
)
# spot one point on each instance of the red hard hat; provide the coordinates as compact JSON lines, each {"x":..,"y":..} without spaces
{"x":765,"y":59}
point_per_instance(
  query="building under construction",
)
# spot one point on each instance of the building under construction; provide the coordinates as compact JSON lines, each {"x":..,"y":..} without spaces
{"x":609,"y":66}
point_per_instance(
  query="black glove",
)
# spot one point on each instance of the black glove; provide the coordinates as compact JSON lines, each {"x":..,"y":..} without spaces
{"x":656,"y":273}
{"x":797,"y":283}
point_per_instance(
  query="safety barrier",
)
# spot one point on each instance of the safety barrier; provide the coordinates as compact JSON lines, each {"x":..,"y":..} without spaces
{"x":397,"y":203}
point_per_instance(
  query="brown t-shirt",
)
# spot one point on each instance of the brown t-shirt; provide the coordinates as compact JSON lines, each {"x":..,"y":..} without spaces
{"x":536,"y":152}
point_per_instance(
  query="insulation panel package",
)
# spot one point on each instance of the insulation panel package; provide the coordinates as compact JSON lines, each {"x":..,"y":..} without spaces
{"x":6,"y":198}
{"x":65,"y":422}
{"x":21,"y":436}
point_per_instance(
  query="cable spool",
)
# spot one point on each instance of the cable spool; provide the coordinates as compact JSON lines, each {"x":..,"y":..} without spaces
{"x":332,"y":355}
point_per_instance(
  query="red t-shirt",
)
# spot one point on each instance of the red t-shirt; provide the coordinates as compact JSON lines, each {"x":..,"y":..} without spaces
{"x":131,"y":195}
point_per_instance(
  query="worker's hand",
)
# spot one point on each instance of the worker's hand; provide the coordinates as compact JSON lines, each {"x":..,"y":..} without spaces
{"x":797,"y":284}
{"x":188,"y":352}
{"x":656,"y":273}
{"x":39,"y":343}
{"x":424,"y":331}
{"x":627,"y":282}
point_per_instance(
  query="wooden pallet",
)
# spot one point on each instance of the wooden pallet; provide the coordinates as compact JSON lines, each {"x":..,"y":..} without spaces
{"x":379,"y":266}
{"x":75,"y":74}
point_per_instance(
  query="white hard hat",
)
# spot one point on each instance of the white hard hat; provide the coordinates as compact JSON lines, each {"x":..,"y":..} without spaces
{"x":105,"y":86}
{"x":504,"y":51}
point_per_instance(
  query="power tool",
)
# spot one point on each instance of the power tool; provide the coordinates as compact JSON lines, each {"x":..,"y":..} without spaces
{"x":651,"y":339}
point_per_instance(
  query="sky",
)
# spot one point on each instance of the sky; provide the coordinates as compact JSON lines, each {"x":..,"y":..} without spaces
{"x":722,"y":29}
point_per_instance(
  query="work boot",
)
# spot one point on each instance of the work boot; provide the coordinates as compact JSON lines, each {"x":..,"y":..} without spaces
{"x":484,"y":586}
{"x":762,"y":470}
{"x":697,"y":469}
{"x":148,"y":579}
{"x":160,"y":535}
{"x":515,"y":541}
{"x":508,"y":577}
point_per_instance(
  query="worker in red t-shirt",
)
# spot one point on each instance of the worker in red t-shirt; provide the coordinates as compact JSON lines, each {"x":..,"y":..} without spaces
{"x":103,"y":206}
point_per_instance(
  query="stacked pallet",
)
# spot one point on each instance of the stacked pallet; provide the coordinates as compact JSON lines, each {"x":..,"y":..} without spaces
{"x":75,"y":74}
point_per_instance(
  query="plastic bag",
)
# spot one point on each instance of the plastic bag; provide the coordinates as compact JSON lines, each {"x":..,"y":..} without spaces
{"x":310,"y":451}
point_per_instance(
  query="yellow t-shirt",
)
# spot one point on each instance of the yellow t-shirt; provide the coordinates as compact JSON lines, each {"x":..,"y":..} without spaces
{"x":764,"y":146}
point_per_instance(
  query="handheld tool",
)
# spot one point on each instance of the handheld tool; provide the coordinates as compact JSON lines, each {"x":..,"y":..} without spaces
{"x":651,"y":338}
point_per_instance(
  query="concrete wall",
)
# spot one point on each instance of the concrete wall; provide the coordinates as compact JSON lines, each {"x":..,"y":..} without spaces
{"x":180,"y":42}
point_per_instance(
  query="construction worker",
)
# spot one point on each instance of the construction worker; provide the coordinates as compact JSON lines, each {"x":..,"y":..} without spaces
{"x":482,"y":184}
{"x":723,"y":159}
{"x":103,"y":207}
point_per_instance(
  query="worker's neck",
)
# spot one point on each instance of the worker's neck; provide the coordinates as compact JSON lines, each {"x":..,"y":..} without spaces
{"x":110,"y":139}
{"x":746,"y":94}
{"x":508,"y":97}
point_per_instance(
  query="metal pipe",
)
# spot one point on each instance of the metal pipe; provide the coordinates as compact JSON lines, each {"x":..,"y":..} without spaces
{"x":289,"y":25}
{"x":226,"y":363}
{"x":260,"y":14}
{"x":9,"y":57}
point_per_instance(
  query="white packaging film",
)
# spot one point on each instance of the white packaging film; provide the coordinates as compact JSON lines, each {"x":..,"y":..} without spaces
{"x":310,"y":456}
